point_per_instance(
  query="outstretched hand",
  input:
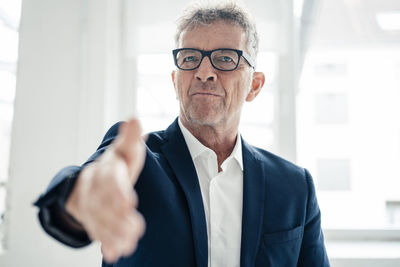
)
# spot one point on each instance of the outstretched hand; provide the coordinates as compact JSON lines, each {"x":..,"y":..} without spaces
{"x":104,"y":200}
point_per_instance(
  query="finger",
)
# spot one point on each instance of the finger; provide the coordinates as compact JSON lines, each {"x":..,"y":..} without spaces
{"x":115,"y":243}
{"x":122,"y":241}
{"x":119,"y":234}
{"x":109,"y":217}
{"x":111,"y":213}
{"x":135,"y":230}
{"x":125,"y":202}
{"x":110,"y":255}
{"x":112,"y":200}
{"x":108,"y":249}
{"x":129,"y":146}
{"x":118,"y":187}
{"x":129,"y":135}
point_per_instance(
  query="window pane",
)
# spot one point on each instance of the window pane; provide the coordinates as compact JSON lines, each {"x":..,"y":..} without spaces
{"x":157,"y":104}
{"x":349,"y":134}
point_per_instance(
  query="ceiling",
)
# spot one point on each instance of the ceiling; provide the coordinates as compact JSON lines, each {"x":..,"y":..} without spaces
{"x":353,"y":22}
{"x":335,"y":22}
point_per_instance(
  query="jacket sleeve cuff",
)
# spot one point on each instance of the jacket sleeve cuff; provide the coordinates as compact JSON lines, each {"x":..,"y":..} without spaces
{"x":52,"y":213}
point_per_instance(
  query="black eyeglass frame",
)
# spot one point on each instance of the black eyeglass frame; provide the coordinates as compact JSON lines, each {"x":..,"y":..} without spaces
{"x":208,"y":53}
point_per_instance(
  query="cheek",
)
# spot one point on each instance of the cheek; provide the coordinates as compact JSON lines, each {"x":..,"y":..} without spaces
{"x":234,"y":96}
{"x":179,"y":85}
{"x":239,"y":93}
{"x":183,"y":84}
{"x":240,"y":84}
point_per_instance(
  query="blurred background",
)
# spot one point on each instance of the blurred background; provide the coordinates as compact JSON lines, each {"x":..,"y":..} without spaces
{"x":70,"y":69}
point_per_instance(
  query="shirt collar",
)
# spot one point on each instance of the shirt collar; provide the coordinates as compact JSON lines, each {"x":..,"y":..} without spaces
{"x":196,"y":148}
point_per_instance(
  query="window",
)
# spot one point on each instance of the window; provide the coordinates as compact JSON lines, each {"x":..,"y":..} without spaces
{"x":331,"y":108}
{"x":333,"y":174}
{"x":350,"y":137}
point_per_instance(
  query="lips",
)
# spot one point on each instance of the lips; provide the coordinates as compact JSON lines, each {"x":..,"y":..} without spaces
{"x":204,"y":94}
{"x":205,"y":89}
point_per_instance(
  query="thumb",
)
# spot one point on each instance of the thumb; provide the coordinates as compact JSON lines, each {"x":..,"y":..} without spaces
{"x":130,"y":147}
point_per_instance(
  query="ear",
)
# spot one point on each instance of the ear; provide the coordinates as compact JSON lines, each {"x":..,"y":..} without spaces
{"x":256,"y":85}
{"x":173,"y":77}
{"x":173,"y":73}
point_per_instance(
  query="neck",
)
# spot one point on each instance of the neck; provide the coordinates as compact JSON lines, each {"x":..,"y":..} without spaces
{"x":221,"y":139}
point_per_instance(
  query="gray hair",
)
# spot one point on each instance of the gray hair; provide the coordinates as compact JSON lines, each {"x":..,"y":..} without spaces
{"x":206,"y":13}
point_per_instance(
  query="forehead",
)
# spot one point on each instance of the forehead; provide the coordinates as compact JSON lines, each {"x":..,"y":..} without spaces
{"x":215,"y":35}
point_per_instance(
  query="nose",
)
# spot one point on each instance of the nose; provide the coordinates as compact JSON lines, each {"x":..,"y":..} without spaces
{"x":206,"y":72}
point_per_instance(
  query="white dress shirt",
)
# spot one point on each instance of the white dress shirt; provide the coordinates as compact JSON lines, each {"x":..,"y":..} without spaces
{"x":222,"y":194}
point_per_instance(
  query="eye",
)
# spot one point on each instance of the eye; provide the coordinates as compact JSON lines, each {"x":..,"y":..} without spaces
{"x":226,"y":59}
{"x":190,"y":59}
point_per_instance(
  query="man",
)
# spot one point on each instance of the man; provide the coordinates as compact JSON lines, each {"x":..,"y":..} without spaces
{"x":207,"y":198}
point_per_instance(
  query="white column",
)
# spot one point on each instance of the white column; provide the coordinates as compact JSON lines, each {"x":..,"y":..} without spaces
{"x":68,"y":92}
{"x":285,"y":130}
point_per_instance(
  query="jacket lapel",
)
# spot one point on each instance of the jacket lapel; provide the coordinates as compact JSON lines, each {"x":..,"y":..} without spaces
{"x":254,"y":176}
{"x":178,"y":156}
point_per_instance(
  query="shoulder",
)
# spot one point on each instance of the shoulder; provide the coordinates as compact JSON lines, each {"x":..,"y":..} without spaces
{"x":279,"y":172}
{"x":154,"y":140}
{"x":273,"y":162}
{"x":110,"y":135}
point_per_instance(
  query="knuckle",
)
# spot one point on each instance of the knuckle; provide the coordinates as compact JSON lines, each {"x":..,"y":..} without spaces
{"x":135,"y":198}
{"x":130,"y":248}
{"x":140,"y":220}
{"x":120,"y":232}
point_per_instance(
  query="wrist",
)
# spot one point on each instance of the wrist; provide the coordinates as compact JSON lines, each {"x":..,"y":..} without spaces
{"x":72,"y":202}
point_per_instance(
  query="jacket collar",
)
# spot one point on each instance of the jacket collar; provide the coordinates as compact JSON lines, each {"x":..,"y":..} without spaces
{"x":254,"y":176}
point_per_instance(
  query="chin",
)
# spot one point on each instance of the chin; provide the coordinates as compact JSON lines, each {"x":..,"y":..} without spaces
{"x":210,"y":120}
{"x":204,"y":116}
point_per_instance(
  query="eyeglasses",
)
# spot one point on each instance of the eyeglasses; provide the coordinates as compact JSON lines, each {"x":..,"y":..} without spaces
{"x":224,"y":59}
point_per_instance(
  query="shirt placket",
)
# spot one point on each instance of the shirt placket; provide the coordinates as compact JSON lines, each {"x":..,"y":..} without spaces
{"x":217,"y":235}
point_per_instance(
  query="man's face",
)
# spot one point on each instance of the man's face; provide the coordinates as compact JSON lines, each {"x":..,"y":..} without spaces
{"x":208,"y":96}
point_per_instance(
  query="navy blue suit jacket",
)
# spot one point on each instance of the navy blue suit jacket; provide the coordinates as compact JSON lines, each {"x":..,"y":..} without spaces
{"x":281,"y":217}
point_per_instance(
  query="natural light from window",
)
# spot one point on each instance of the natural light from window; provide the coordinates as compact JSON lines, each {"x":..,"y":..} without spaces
{"x":349,"y":135}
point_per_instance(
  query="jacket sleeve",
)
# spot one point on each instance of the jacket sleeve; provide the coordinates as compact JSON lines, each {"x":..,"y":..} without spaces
{"x":53,"y":217}
{"x":312,"y":252}
{"x":52,"y":214}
